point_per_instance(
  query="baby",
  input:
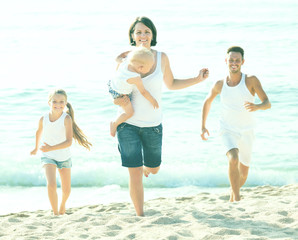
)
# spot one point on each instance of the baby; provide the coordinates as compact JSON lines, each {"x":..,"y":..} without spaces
{"x":138,"y":62}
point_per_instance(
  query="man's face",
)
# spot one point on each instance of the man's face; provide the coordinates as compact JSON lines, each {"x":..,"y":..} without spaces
{"x":234,"y":61}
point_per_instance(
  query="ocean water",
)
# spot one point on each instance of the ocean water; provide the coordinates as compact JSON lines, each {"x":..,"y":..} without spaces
{"x":73,"y":44}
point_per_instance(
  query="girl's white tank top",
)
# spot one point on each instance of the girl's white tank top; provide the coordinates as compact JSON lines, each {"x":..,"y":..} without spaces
{"x":53,"y":134}
{"x":234,"y":116}
{"x":144,"y":113}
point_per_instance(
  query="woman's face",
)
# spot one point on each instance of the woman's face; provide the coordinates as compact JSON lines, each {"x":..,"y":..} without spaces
{"x":142,"y":35}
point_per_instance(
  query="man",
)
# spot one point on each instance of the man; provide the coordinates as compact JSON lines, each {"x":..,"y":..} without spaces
{"x":237,"y":93}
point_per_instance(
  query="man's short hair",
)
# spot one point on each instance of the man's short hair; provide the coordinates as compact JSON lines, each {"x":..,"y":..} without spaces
{"x":236,"y":49}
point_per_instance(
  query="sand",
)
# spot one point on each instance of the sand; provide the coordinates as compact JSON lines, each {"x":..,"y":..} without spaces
{"x":264,"y":212}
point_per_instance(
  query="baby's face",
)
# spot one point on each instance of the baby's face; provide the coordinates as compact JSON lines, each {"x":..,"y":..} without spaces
{"x":145,"y":68}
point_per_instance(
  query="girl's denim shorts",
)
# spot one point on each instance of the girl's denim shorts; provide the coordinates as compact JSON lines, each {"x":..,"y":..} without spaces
{"x":60,"y":165}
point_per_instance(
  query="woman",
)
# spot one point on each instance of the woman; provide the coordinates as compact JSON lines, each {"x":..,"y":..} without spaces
{"x":140,"y":137}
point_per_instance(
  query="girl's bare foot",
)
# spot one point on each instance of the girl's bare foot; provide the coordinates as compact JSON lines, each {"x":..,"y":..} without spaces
{"x":231,"y":195}
{"x":113,"y":129}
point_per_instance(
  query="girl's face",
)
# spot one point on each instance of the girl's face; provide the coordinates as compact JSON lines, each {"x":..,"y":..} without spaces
{"x":142,"y":35}
{"x":58,"y":103}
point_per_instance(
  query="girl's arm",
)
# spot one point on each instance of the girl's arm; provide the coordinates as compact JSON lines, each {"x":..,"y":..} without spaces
{"x":138,"y":82}
{"x":37,"y":136}
{"x":67,"y":142}
{"x":175,"y":84}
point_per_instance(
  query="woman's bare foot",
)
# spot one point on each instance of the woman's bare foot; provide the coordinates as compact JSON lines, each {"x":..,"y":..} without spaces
{"x":62,"y":210}
{"x":146,"y":171}
{"x":113,"y":129}
{"x":55,"y":214}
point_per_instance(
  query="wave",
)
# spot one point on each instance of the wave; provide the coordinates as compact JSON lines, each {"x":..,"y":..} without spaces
{"x":167,"y":178}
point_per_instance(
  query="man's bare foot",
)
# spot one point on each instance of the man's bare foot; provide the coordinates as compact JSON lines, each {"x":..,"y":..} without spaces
{"x":113,"y":129}
{"x":146,"y":171}
{"x":232,"y":196}
{"x":62,"y":210}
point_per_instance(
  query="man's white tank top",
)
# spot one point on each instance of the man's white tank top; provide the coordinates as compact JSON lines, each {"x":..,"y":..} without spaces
{"x":234,"y":116}
{"x":144,"y":113}
{"x":53,"y":134}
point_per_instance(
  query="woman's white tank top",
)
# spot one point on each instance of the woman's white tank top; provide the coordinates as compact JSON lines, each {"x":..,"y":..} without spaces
{"x":144,"y":113}
{"x":234,"y":116}
{"x":53,"y":134}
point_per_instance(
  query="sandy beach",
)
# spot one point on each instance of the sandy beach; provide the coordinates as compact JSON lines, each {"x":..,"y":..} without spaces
{"x":265,"y":212}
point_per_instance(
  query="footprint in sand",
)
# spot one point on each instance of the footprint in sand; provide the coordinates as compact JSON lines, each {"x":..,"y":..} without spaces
{"x":131,"y":236}
{"x":152,"y":212}
{"x":168,"y":220}
{"x":286,"y":220}
{"x":114,"y":227}
{"x":31,"y":227}
{"x":84,"y":236}
{"x":217,"y":216}
{"x":15,"y":220}
{"x":49,"y":234}
{"x":228,"y":232}
{"x":283,"y":213}
{"x":112,"y":233}
{"x":241,"y":209}
{"x":83,"y":219}
{"x":185,"y":233}
{"x":22,"y":215}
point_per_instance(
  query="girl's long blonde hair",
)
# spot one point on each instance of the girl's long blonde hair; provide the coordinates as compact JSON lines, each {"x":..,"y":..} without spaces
{"x":78,"y":134}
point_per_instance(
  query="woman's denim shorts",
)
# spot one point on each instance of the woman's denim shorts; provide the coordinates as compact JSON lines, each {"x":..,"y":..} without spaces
{"x":60,"y":165}
{"x":139,"y":146}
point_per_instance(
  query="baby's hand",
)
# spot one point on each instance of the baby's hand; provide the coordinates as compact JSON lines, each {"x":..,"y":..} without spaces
{"x":155,"y":104}
{"x":122,"y":56}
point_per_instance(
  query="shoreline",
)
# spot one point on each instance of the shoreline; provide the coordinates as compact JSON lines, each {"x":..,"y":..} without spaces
{"x":265,"y":212}
{"x":35,"y":198}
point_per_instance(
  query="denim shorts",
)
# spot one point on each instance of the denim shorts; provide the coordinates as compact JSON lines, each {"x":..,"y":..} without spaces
{"x":60,"y":165}
{"x":139,"y":146}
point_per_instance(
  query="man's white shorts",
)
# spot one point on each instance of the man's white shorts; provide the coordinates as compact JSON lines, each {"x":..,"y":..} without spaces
{"x":242,"y":141}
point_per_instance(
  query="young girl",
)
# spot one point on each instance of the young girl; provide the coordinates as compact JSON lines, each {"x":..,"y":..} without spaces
{"x":57,"y":129}
{"x":129,"y":72}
